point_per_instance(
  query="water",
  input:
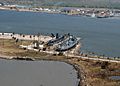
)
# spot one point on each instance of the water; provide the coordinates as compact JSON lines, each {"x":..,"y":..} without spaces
{"x":37,"y":73}
{"x":114,"y":77}
{"x":101,"y":36}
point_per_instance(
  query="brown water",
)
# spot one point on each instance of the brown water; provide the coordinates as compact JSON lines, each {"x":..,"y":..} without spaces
{"x":37,"y":73}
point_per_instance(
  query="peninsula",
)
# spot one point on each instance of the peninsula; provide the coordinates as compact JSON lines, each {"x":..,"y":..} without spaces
{"x":92,"y":70}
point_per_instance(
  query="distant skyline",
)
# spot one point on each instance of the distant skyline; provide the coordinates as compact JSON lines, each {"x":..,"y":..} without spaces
{"x":73,"y":3}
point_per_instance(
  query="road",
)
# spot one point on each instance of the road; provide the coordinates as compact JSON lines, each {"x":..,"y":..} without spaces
{"x":96,"y":59}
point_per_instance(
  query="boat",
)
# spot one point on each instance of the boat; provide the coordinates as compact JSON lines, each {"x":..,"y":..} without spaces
{"x":68,"y":44}
{"x":93,"y":15}
{"x":57,"y":39}
{"x":104,"y":16}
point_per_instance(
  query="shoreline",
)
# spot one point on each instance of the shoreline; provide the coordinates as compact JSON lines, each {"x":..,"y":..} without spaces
{"x":45,"y":38}
{"x":81,"y":64}
{"x":73,"y":61}
{"x":89,"y":69}
{"x":73,"y":11}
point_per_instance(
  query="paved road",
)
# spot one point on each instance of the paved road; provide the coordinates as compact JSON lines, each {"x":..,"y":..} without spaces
{"x":97,"y":59}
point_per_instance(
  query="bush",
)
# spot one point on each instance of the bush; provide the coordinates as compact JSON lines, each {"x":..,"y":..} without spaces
{"x":104,"y":65}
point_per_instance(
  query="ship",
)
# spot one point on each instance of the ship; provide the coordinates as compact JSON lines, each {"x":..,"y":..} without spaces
{"x":58,"y":39}
{"x":68,"y":44}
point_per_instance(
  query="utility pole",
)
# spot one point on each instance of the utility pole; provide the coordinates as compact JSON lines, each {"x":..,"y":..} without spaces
{"x":3,"y":40}
{"x":38,"y":37}
{"x":85,"y":2}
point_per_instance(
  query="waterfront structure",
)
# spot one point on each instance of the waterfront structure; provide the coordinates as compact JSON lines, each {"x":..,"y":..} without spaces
{"x":1,"y":4}
{"x":89,"y":12}
{"x":56,"y":45}
{"x":70,"y":11}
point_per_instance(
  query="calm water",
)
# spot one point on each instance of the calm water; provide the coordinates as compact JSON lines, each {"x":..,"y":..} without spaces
{"x":114,"y":77}
{"x":37,"y":73}
{"x":101,"y":36}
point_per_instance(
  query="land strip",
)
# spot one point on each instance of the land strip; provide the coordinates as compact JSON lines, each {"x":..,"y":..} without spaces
{"x":77,"y":11}
{"x":90,"y":71}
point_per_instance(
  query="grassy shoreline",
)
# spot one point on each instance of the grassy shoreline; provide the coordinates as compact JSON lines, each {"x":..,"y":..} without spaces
{"x":91,"y":73}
